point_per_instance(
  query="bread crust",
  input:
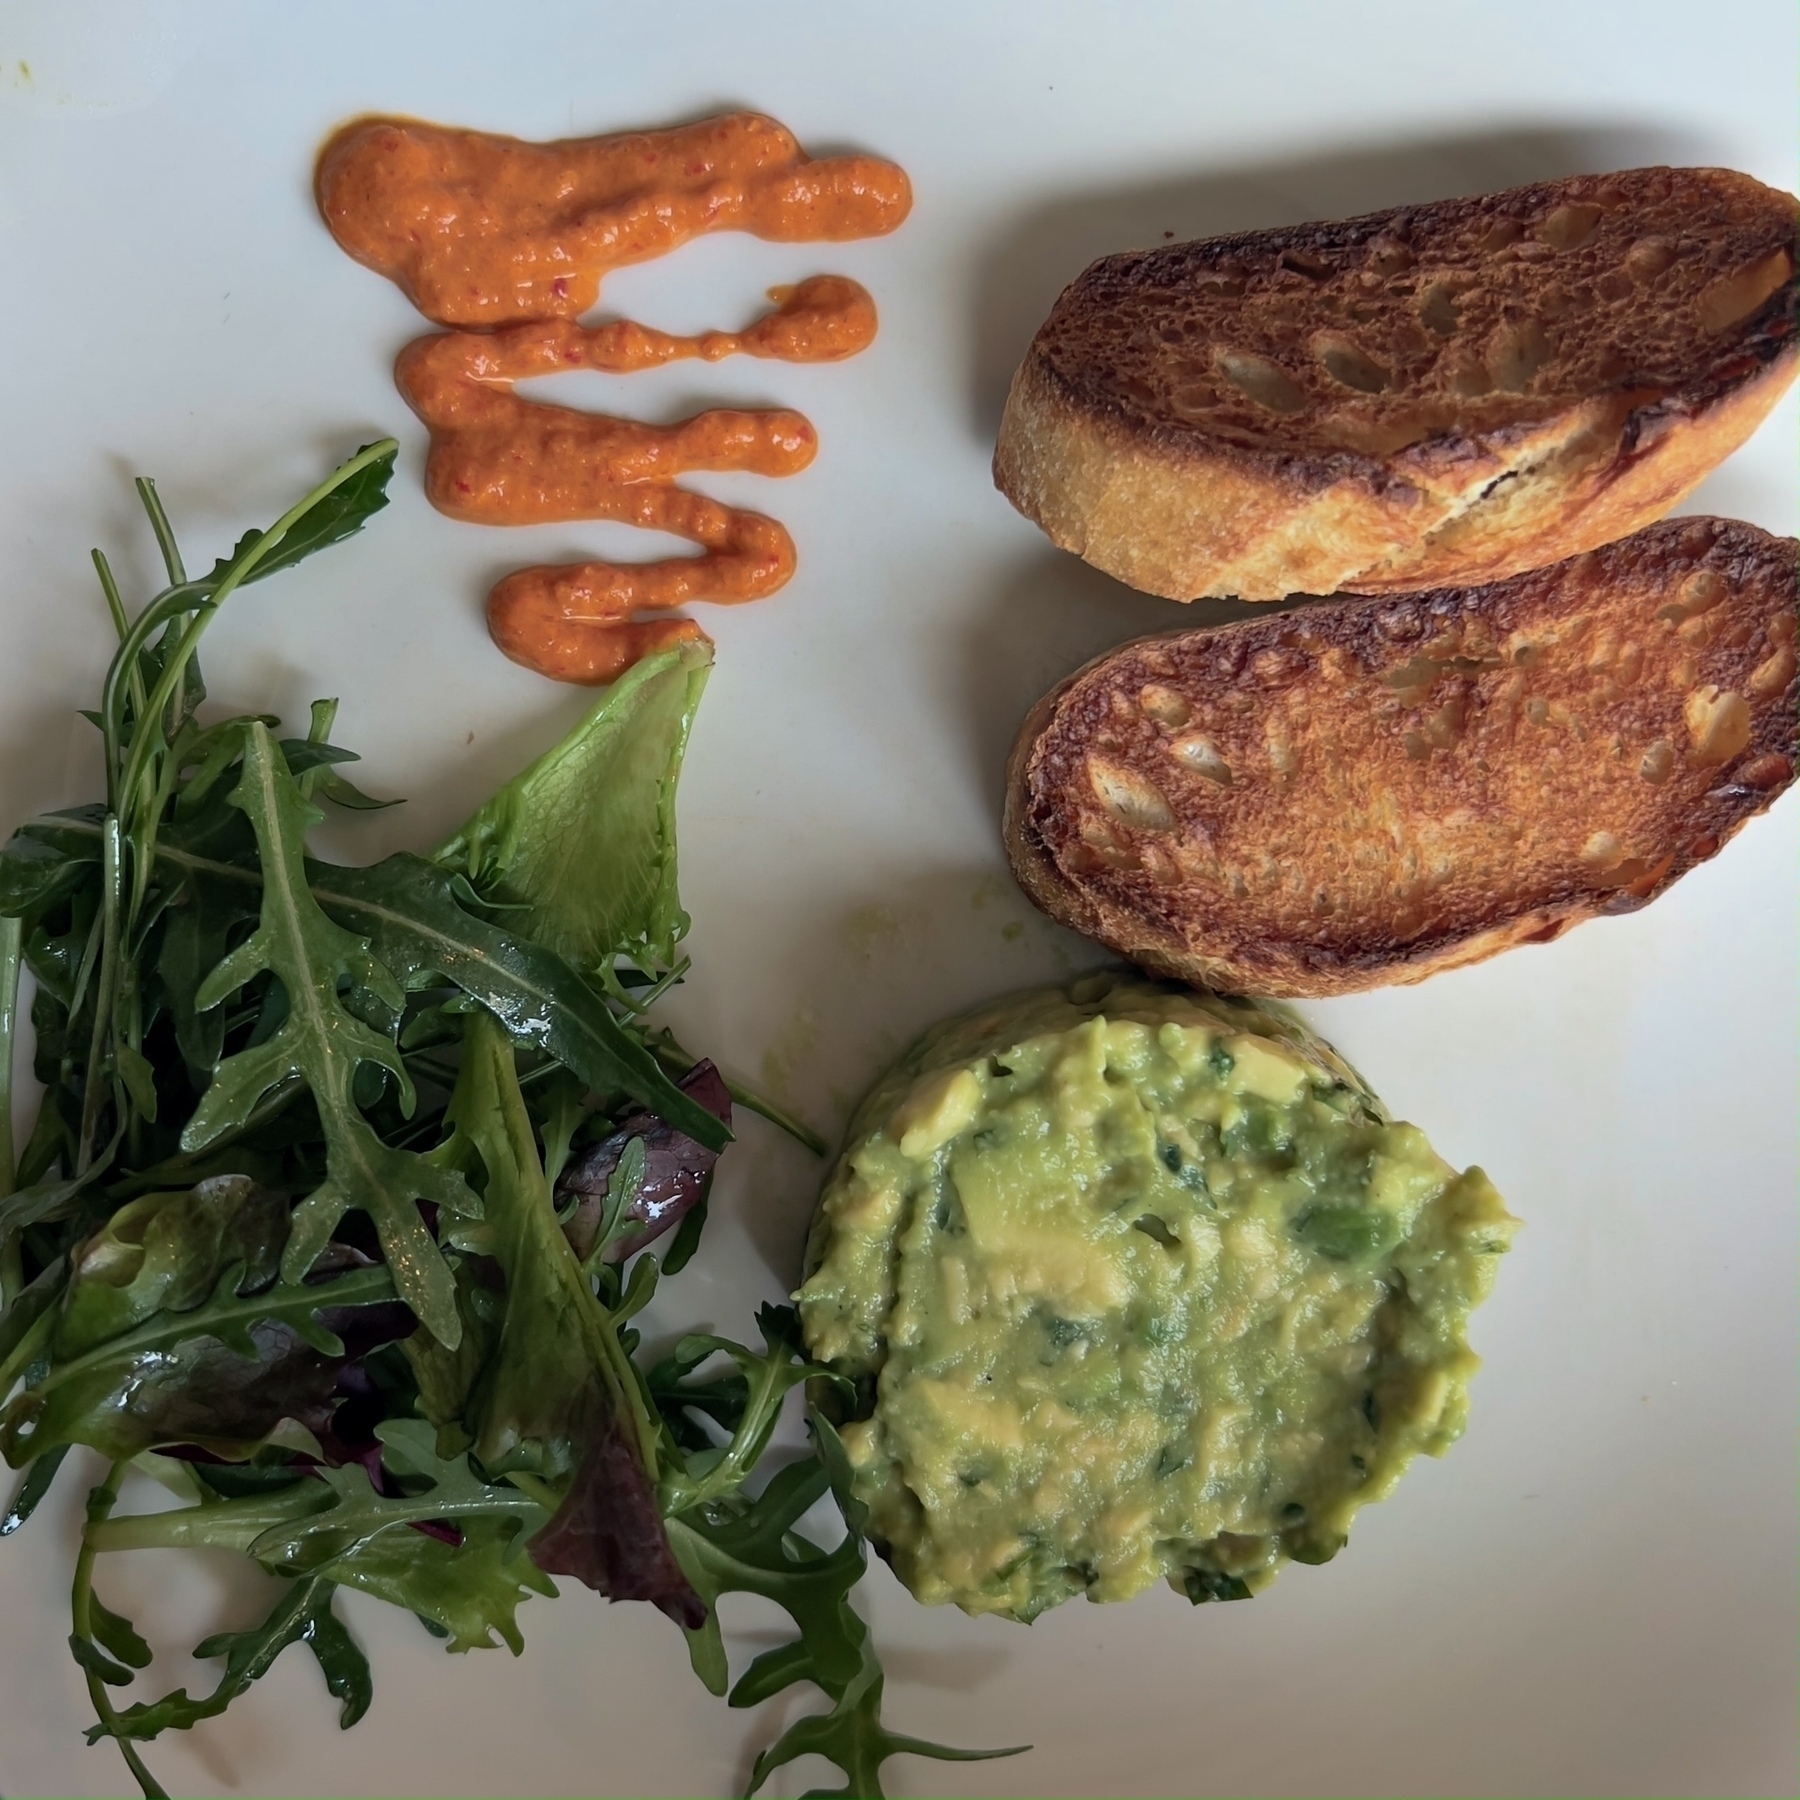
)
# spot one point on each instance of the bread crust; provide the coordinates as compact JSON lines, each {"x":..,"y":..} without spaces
{"x":1357,"y":794}
{"x":1231,"y":499}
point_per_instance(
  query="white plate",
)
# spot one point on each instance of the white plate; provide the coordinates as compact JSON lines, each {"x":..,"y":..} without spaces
{"x":1594,"y":1593}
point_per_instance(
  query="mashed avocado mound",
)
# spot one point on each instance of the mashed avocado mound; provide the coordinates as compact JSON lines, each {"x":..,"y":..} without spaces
{"x":1136,"y":1283}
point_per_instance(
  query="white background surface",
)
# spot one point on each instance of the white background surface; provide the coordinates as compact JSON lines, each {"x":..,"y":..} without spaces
{"x":1595,"y":1592}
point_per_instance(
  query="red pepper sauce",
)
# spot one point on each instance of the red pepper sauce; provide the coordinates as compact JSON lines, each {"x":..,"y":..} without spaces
{"x":513,"y":240}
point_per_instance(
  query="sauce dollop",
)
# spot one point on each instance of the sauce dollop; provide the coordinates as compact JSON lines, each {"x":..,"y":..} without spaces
{"x":508,"y":242}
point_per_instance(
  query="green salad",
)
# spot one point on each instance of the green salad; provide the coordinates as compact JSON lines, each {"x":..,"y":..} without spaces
{"x":341,"y":1194}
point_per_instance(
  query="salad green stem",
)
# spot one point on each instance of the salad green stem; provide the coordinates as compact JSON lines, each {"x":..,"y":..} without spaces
{"x":165,"y":533}
{"x":212,"y":1525}
{"x":115,"y":692}
{"x":533,"y":1487}
{"x":203,"y":599}
{"x":678,"y":1061}
{"x":27,"y":1350}
{"x":12,"y":933}
{"x":101,"y":1501}
{"x":121,"y":624}
{"x":173,"y":1171}
{"x":99,"y":1060}
{"x":110,"y":588}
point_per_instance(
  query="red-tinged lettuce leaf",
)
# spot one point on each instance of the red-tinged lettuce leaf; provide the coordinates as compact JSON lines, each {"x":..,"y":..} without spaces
{"x":584,"y":839}
{"x":677,"y":1173}
{"x":554,"y":1400}
{"x":609,"y":1533}
{"x":221,"y":1375}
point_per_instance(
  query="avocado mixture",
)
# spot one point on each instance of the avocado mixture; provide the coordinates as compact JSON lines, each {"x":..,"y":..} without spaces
{"x":1136,"y":1283}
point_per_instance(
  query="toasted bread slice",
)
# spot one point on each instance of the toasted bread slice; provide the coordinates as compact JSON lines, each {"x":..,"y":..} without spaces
{"x":1354,"y":793}
{"x":1440,"y":395}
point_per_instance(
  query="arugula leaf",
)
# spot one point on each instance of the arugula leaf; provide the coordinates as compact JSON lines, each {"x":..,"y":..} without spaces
{"x":324,"y":1044}
{"x":32,"y":1489}
{"x":741,"y":1546}
{"x":12,"y":944}
{"x":747,"y":1405}
{"x":342,"y":512}
{"x":43,"y":1203}
{"x":850,"y":1735}
{"x":336,"y":1525}
{"x":301,"y":1615}
{"x":27,"y":1322}
{"x":585,"y":837}
{"x":150,"y":692}
{"x":96,"y":1662}
{"x":831,"y":1452}
{"x":118,"y":1635}
{"x":406,"y":907}
{"x":196,"y":934}
{"x":91,"y":1622}
{"x":687,"y":1238}
{"x":36,"y":871}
